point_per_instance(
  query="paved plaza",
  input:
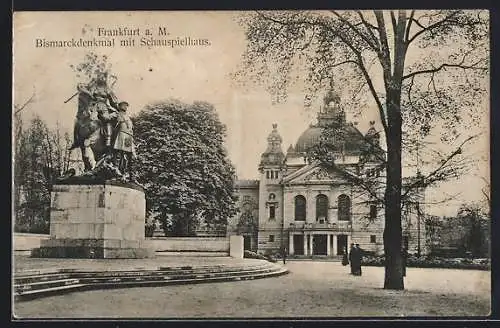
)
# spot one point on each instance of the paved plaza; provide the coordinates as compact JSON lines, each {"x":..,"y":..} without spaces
{"x":311,"y":289}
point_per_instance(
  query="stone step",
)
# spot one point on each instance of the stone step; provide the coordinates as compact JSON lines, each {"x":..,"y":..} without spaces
{"x":164,"y":271}
{"x":30,"y":294}
{"x":191,"y":254}
{"x":41,"y":285}
{"x":152,"y":280}
{"x":184,"y":280}
{"x":41,"y":278}
{"x":161,"y":277}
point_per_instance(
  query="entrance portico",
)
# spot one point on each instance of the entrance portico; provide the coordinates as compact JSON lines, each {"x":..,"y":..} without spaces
{"x":317,"y":243}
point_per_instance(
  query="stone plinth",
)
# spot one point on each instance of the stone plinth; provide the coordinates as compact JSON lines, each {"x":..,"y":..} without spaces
{"x":96,"y":221}
{"x":236,"y":246}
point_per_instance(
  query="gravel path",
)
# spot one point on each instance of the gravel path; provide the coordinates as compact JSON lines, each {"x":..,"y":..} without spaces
{"x":312,"y":289}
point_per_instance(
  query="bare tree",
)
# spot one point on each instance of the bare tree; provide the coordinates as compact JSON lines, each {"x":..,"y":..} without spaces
{"x":18,"y":136}
{"x":421,"y":70}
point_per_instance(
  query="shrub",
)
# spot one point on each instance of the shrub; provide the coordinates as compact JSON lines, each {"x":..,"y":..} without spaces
{"x":433,"y":262}
{"x":253,"y":255}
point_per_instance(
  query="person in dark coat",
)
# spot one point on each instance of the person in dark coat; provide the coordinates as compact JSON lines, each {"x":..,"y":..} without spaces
{"x":345,"y":259}
{"x":284,"y":255}
{"x":404,"y":258}
{"x":356,"y":258}
{"x":351,"y":250}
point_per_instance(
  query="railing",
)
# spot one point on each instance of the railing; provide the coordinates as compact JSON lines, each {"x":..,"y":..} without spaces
{"x":334,"y":226}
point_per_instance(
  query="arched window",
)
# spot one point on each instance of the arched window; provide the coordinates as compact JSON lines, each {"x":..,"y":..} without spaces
{"x":344,"y":208}
{"x":321,"y":207}
{"x":300,"y":208}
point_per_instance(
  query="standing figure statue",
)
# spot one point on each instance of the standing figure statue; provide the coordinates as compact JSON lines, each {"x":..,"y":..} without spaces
{"x":94,"y":121}
{"x":123,"y":145}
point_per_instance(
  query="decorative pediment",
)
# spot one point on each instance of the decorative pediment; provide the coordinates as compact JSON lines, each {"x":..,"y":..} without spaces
{"x":318,"y":175}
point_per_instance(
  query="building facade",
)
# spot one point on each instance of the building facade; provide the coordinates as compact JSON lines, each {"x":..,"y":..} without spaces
{"x":313,"y":210}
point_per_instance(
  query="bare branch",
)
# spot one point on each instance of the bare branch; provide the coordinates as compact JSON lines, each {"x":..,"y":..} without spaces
{"x":356,"y":52}
{"x":369,"y":28}
{"x":370,"y":43}
{"x":431,"y":27}
{"x":443,"y":66}
{"x":393,"y":21}
{"x":408,"y":27}
{"x":30,"y":100}
{"x":385,"y":55}
{"x":434,"y":176}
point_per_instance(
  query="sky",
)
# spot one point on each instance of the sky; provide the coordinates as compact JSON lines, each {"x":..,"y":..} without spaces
{"x":149,"y":74}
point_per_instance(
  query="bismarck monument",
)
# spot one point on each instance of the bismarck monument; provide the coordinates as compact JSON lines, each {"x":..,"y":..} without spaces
{"x":100,"y":213}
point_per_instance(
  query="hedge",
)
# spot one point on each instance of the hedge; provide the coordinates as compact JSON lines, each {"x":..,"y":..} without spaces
{"x":434,"y":262}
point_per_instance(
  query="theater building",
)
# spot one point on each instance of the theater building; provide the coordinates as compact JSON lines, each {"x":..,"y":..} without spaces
{"x":312,"y":210}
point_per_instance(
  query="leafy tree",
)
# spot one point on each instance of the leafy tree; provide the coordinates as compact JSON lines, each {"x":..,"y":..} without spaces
{"x":477,"y":227}
{"x":41,"y":156}
{"x":421,"y":70}
{"x":92,"y":66}
{"x":183,"y":164}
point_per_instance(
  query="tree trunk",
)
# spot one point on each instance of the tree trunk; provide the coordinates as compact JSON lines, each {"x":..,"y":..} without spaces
{"x":392,"y":232}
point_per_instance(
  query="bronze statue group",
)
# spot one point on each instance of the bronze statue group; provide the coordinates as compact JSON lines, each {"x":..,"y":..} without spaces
{"x":103,"y":129}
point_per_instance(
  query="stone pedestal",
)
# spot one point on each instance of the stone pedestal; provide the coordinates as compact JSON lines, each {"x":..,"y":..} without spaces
{"x":236,"y":246}
{"x":103,"y":220}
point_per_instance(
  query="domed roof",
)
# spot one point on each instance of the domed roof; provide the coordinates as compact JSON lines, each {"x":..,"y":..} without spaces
{"x":348,"y":139}
{"x":308,"y":138}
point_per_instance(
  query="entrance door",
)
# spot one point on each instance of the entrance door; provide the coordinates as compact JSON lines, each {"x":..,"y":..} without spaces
{"x":319,"y":244}
{"x":341,"y":244}
{"x":298,"y":244}
{"x":247,"y":243}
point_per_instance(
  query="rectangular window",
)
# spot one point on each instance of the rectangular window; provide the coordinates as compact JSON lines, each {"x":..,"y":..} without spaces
{"x":272,"y":212}
{"x":267,"y":175}
{"x":373,"y":212}
{"x":373,"y":239}
{"x":271,"y":238}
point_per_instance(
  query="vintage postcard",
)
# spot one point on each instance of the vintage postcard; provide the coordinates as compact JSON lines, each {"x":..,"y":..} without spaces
{"x":251,"y":164}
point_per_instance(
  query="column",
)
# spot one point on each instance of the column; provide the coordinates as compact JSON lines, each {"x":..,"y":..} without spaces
{"x":311,"y":244}
{"x":328,"y":245}
{"x":335,"y":251}
{"x":290,"y":244}
{"x":305,"y":244}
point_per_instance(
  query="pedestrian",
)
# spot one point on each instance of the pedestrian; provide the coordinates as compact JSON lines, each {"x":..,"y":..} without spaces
{"x":351,"y":258}
{"x":404,"y":258}
{"x":284,"y":255}
{"x":356,"y":258}
{"x":345,"y":259}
